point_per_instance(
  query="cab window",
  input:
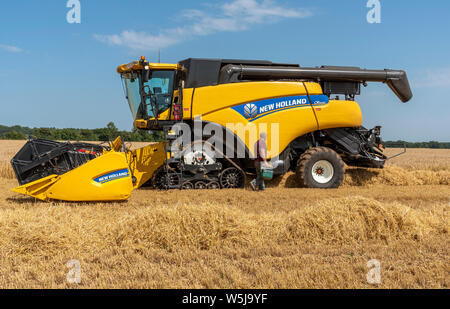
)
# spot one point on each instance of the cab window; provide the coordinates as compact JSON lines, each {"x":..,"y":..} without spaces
{"x":161,"y":86}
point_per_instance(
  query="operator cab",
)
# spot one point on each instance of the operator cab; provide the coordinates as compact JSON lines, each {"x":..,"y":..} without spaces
{"x":151,"y":90}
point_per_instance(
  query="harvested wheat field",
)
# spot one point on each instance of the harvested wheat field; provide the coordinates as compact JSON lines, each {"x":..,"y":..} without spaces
{"x":283,"y":238}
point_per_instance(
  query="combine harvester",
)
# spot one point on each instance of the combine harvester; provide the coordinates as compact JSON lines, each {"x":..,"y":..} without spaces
{"x":317,"y":130}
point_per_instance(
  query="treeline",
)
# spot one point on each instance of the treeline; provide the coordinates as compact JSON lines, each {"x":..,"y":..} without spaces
{"x":109,"y":133}
{"x":431,"y":144}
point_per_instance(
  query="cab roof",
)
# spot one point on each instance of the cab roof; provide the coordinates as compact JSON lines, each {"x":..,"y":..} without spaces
{"x":203,"y":72}
{"x":136,"y":65}
{"x":200,"y":72}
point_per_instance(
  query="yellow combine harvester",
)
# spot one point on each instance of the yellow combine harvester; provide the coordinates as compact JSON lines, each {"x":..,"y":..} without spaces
{"x":212,"y":111}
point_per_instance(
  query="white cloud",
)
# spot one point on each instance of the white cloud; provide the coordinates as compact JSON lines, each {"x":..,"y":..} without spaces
{"x":257,"y":12}
{"x":237,"y":15}
{"x":138,"y":40}
{"x":434,"y":78}
{"x":12,"y":49}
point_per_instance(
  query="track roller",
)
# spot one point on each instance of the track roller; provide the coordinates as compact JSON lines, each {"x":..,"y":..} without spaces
{"x":165,"y":181}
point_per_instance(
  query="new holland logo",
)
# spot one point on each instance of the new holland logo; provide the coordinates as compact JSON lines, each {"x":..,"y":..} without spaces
{"x":112,"y":176}
{"x":250,"y":111}
{"x":255,"y":110}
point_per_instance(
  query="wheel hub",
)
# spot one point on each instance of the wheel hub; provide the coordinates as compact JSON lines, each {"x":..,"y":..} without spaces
{"x":322,"y":171}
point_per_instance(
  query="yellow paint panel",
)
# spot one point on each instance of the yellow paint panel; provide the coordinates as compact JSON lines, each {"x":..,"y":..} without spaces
{"x":339,"y":114}
{"x":140,"y":124}
{"x":281,"y":127}
{"x":213,"y":98}
{"x":214,"y":104}
{"x":136,"y":65}
{"x":144,"y":162}
{"x":128,"y":67}
{"x":187,"y":102}
{"x":37,"y":189}
{"x":164,"y":115}
{"x":79,"y":184}
{"x":313,"y":88}
{"x":164,"y":66}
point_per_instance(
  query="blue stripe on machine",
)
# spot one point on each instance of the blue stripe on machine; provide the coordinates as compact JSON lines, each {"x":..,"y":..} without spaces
{"x":113,"y":176}
{"x":258,"y":109}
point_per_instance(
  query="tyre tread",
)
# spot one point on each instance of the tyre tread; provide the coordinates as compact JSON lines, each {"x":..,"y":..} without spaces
{"x":301,"y":170}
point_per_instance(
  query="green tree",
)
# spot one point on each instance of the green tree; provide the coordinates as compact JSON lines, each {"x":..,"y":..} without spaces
{"x":112,"y":131}
{"x":69,"y":134}
{"x":88,"y":135}
{"x":46,"y":133}
{"x":14,"y":135}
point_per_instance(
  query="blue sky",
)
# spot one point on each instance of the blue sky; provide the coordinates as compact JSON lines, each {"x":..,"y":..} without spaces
{"x":57,"y":74}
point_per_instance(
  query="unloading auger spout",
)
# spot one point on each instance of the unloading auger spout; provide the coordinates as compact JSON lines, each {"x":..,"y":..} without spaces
{"x":397,"y":80}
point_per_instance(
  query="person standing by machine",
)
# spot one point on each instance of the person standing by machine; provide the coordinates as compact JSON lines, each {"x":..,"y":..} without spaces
{"x":260,"y":162}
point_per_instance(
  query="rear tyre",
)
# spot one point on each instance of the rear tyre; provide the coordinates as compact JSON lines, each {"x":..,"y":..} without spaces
{"x":320,"y":167}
